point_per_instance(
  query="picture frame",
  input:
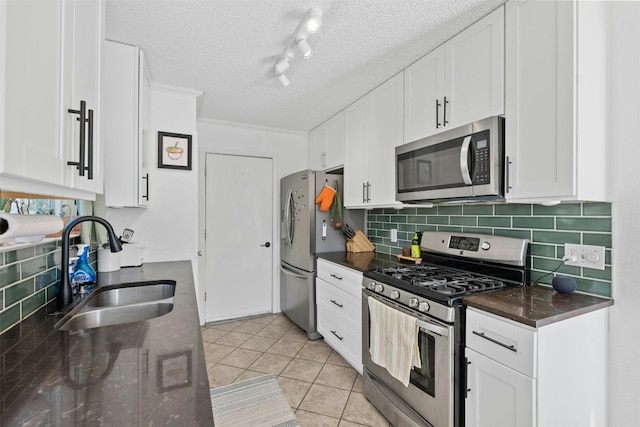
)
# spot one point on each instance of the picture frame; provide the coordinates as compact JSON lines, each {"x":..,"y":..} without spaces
{"x":174,"y":371}
{"x":174,"y":151}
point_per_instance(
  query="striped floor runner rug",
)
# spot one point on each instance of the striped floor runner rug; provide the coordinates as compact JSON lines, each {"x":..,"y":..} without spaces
{"x":253,"y":402}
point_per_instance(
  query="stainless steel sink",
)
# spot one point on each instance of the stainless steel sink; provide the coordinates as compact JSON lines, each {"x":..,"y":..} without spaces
{"x":132,"y":295}
{"x":109,"y":316}
{"x":118,"y":304}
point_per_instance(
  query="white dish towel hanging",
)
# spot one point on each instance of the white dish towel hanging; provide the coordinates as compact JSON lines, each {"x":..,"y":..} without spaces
{"x":394,"y":340}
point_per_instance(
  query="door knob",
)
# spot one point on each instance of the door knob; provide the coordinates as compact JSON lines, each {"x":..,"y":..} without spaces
{"x":266,"y":245}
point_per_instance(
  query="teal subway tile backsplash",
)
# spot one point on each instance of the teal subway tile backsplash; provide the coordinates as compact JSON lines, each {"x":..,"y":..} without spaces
{"x":548,"y":228}
{"x":29,"y":279}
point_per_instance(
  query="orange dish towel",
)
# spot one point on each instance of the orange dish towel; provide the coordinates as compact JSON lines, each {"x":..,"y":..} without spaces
{"x":325,"y":198}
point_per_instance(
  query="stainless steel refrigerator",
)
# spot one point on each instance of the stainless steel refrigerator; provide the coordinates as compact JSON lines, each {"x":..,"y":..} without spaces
{"x":302,"y":237}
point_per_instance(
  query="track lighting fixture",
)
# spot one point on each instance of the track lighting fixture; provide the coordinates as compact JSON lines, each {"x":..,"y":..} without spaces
{"x":298,"y":41}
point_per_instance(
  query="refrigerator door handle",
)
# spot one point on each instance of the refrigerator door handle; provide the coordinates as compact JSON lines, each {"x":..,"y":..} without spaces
{"x":288,"y":218}
{"x":292,"y":273}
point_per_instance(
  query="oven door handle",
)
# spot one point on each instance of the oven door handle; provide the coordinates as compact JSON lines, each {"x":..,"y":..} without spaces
{"x":432,"y":328}
{"x":464,"y":160}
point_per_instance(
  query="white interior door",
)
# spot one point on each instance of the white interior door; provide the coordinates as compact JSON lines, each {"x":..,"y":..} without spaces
{"x":239,"y":236}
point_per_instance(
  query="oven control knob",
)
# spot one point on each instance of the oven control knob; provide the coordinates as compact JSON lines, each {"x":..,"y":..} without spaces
{"x":413,"y":302}
{"x":379,"y":288}
{"x":485,"y":246}
{"x":395,"y":295}
{"x":423,"y":306}
{"x":371,"y":286}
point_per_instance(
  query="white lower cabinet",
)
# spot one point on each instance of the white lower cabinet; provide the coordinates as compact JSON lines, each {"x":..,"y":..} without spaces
{"x":339,"y":310}
{"x":497,"y":395}
{"x":550,"y":376}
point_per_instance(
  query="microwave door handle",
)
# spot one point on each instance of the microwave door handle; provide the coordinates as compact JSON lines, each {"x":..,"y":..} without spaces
{"x":464,"y":162}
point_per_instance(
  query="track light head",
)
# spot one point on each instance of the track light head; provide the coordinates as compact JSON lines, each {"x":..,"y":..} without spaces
{"x":282,"y":65}
{"x":314,"y":20}
{"x":304,"y":48}
{"x":284,"y":81}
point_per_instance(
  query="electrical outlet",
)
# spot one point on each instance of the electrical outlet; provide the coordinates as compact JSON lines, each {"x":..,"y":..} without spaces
{"x":394,"y":235}
{"x":587,"y":256}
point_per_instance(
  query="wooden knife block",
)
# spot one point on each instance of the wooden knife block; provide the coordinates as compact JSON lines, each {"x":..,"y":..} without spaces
{"x":360,"y":243}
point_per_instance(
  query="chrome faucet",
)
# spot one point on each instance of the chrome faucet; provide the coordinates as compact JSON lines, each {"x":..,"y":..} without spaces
{"x":65,"y":294}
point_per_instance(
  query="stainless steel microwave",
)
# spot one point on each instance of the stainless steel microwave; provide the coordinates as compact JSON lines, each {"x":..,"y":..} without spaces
{"x":463,"y":163}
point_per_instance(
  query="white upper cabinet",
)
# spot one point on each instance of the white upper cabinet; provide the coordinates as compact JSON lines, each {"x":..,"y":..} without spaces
{"x":84,"y":31}
{"x":126,"y":93}
{"x":556,"y":100}
{"x":49,"y":64}
{"x":423,"y":96}
{"x":334,"y":157}
{"x":318,"y":148}
{"x":326,"y":144}
{"x":373,"y":129}
{"x":458,"y":83}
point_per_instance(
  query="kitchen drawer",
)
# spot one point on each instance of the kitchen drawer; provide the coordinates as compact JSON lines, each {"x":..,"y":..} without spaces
{"x":347,"y":279}
{"x":341,"y":337}
{"x":342,"y":302}
{"x":509,"y":343}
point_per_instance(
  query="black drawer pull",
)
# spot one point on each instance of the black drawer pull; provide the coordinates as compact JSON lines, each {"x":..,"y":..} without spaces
{"x":337,"y":336}
{"x":336,"y":277}
{"x":334,"y":301}
{"x":508,"y":347}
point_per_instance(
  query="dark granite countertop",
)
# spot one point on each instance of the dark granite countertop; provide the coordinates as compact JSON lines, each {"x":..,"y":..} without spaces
{"x":136,"y":374}
{"x":536,"y":305}
{"x":360,"y":261}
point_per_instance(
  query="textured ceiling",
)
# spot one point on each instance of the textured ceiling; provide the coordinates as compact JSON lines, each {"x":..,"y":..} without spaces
{"x":227,"y":48}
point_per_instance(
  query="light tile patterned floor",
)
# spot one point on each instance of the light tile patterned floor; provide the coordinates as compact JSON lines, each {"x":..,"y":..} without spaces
{"x":322,"y":388}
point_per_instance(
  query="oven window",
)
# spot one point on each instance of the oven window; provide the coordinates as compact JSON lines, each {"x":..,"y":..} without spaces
{"x":425,"y":377}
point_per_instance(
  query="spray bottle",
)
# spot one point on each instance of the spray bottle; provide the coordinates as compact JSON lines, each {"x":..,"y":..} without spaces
{"x":83,"y":274}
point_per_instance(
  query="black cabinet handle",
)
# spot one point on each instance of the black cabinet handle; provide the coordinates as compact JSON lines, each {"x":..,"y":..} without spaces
{"x":146,"y":178}
{"x":466,"y":377}
{"x":334,"y":301}
{"x":90,"y":146}
{"x":337,"y":336}
{"x":508,"y":347}
{"x":508,"y":167}
{"x":335,"y":277}
{"x":444,"y":115}
{"x":438,"y":105}
{"x":82,"y":112}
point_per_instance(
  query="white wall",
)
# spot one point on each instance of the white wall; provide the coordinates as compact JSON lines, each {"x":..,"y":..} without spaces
{"x":168,"y":228}
{"x":289,"y":151}
{"x":624,"y":320}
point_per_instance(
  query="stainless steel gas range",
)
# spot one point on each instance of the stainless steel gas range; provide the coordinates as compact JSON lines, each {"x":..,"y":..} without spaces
{"x":453,"y":265}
